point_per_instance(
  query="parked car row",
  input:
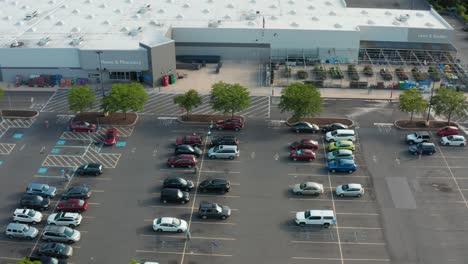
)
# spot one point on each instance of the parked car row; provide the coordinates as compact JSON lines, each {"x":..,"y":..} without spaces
{"x":420,"y":142}
{"x":340,"y":158}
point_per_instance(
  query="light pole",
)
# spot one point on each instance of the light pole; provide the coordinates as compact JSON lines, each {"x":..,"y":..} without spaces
{"x":99,"y":52}
{"x":430,"y":103}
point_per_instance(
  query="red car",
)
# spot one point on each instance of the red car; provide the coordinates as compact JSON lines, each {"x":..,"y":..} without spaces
{"x":81,"y":126}
{"x":305,"y":144}
{"x":183,"y":160}
{"x":302,"y":154}
{"x":111,"y":137}
{"x":72,"y":205}
{"x":232,"y":123}
{"x":192,"y":140}
{"x":448,"y":131}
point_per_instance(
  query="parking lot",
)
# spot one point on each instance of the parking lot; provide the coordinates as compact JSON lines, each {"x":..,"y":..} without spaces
{"x":414,"y":209}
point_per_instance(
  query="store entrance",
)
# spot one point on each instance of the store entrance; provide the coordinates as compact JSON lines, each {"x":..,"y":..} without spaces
{"x":126,"y":76}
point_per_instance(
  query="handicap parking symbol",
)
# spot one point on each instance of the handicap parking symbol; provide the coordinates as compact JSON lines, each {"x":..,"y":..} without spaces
{"x":55,"y":151}
{"x":42,"y":170}
{"x":120,"y":144}
{"x":61,"y":142}
{"x":1,"y":162}
{"x":18,"y":135}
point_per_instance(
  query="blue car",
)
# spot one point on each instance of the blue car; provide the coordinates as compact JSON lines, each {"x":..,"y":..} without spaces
{"x":342,"y":165}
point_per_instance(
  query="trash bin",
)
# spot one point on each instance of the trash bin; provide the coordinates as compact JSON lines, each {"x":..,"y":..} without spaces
{"x":172,"y":79}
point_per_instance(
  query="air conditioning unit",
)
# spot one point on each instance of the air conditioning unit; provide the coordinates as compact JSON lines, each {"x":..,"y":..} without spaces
{"x":403,"y":18}
{"x":135,"y":31}
{"x":30,"y":16}
{"x":16,"y":44}
{"x":214,"y":23}
{"x":143,"y":9}
{"x":43,"y":41}
{"x":76,"y":41}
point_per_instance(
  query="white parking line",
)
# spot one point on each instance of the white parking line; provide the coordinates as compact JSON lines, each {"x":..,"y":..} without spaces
{"x":319,"y":175}
{"x":342,"y":242}
{"x":214,"y":223}
{"x":330,"y":200}
{"x":342,"y":259}
{"x":192,"y":237}
{"x":183,"y":253}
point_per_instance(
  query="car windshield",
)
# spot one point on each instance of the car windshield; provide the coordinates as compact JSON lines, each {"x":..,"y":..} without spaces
{"x":183,"y":182}
{"x":31,"y":213}
{"x":68,"y":232}
{"x":218,"y":208}
{"x":302,"y":185}
{"x":333,"y":133}
{"x":179,"y":194}
{"x":110,"y":136}
{"x":345,"y":187}
{"x":60,"y":247}
{"x":45,"y":187}
{"x":216,"y":148}
{"x":338,"y":144}
{"x":189,"y":148}
{"x":86,"y":124}
{"x":299,"y":152}
{"x":25,"y":229}
{"x":306,"y":214}
{"x":335,"y":153}
{"x":176,"y":221}
{"x":450,"y":138}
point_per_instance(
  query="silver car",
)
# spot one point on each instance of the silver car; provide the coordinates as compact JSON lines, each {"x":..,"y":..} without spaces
{"x":60,"y":234}
{"x":309,"y":188}
{"x":340,"y":154}
{"x":351,"y":189}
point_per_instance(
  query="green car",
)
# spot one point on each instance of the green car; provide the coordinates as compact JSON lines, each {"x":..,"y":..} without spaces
{"x":341,"y":145}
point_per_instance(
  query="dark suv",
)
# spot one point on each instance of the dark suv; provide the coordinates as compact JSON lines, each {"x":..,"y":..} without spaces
{"x":90,"y":169}
{"x":174,"y":195}
{"x":187,"y":149}
{"x":224,"y":140}
{"x":423,"y":148}
{"x":178,"y":183}
{"x":217,"y":185}
{"x":35,"y":202}
{"x":213,"y":210}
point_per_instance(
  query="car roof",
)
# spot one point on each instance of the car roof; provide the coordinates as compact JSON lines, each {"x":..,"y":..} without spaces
{"x":167,"y":220}
{"x":347,"y":142}
{"x":344,"y":131}
{"x":308,"y":140}
{"x":184,"y":146}
{"x":322,"y":212}
{"x":207,"y":204}
{"x":355,"y":185}
{"x":458,"y":136}
{"x":315,"y":184}
{"x":451,"y":127}
{"x":425,"y":133}
{"x":228,"y":146}
{"x":21,"y":211}
{"x":16,"y":225}
{"x":169,"y":191}
{"x":72,"y":201}
{"x":94,"y":165}
{"x":305,"y":150}
{"x":338,"y":124}
{"x":346,"y":161}
{"x":185,"y":156}
{"x":345,"y":151}
{"x":226,"y":137}
{"x":70,"y":215}
{"x":427,"y":144}
{"x":192,"y":137}
{"x":112,"y":130}
{"x":36,"y":185}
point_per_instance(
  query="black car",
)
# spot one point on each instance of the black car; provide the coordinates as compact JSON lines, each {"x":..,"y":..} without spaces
{"x":77,"y":192}
{"x":305,"y":127}
{"x":90,"y":169}
{"x":333,"y":127}
{"x":57,"y":250}
{"x":178,"y":183}
{"x":35,"y":202}
{"x":213,"y":210}
{"x":423,"y":148}
{"x":220,"y":185}
{"x":174,"y":195}
{"x":224,"y":140}
{"x":48,"y":260}
{"x":187,"y":149}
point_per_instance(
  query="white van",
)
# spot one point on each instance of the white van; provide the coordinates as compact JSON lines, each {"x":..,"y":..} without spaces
{"x":315,"y":217}
{"x":223,"y":152}
{"x":341,"y":134}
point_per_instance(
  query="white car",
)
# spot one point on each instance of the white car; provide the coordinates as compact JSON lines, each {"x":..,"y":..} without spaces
{"x":311,"y":188}
{"x":27,"y":216}
{"x":169,"y":224}
{"x":455,"y":140}
{"x":351,"y":189}
{"x":315,"y":217}
{"x":65,"y":219}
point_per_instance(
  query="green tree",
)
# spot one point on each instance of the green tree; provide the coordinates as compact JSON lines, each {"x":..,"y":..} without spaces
{"x":229,"y":98}
{"x":190,"y":100}
{"x":125,"y":98}
{"x":448,"y":102}
{"x":303,"y":100}
{"x":80,"y":98}
{"x":412,"y":101}
{"x":1,"y":92}
{"x":133,"y":261}
{"x":28,"y":261}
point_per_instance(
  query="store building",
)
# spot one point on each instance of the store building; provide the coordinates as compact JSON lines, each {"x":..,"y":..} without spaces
{"x":136,"y":40}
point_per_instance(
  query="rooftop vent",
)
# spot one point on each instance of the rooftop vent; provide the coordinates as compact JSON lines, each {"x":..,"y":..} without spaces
{"x":251,"y":15}
{"x":251,"y":23}
{"x":16,"y":44}
{"x":419,"y":14}
{"x":273,"y":6}
{"x":253,"y":1}
{"x":273,"y":17}
{"x":230,"y":6}
{"x":103,"y":6}
{"x":14,"y":3}
{"x":49,"y":17}
{"x":428,"y":24}
{"x":294,"y":24}
{"x":210,"y":1}
{"x":130,"y":1}
{"x":186,"y":5}
{"x":76,"y":41}
{"x":135,"y":31}
{"x":25,"y":7}
{"x":118,"y":11}
{"x":7,"y":18}
{"x":311,"y":7}
{"x":76,"y":29}
{"x":33,"y":29}
{"x":64,"y":7}
{"x":156,"y":23}
{"x":43,"y":41}
{"x":143,"y":9}
{"x":403,"y":18}
{"x":52,"y":2}
{"x":161,"y":11}
{"x":214,"y":23}
{"x":291,"y":2}
{"x":88,"y":1}
{"x":90,"y":16}
{"x":206,"y":11}
{"x":76,"y":11}
{"x":107,"y":22}
{"x":227,"y":17}
{"x":292,"y":12}
{"x":338,"y":25}
{"x":388,"y":13}
{"x":60,"y":23}
{"x":180,"y":16}
{"x":124,"y":29}
{"x":328,"y":3}
{"x":370,"y":22}
{"x":170,"y":1}
{"x":332,"y":13}
{"x":30,"y":16}
{"x":137,"y":16}
{"x":364,"y":12}
{"x":20,"y":23}
{"x":314,"y":18}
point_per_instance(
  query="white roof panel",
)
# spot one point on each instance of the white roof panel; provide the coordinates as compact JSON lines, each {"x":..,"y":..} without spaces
{"x":122,"y":24}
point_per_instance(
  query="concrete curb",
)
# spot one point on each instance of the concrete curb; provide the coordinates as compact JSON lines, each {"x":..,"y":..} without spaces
{"x":361,"y":98}
{"x":418,"y":128}
{"x":22,"y":117}
{"x":31,"y":89}
{"x":129,"y":125}
{"x":352,"y":121}
{"x":197,"y":123}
